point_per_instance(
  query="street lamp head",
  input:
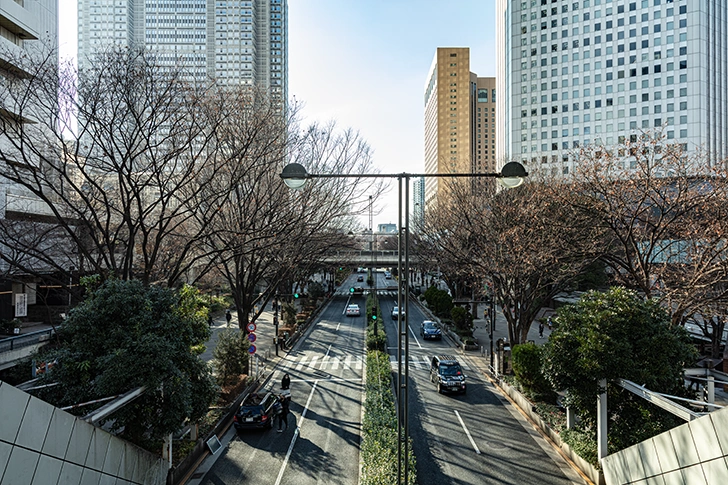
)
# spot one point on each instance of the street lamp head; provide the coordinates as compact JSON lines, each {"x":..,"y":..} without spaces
{"x":294,"y":175}
{"x":512,"y":175}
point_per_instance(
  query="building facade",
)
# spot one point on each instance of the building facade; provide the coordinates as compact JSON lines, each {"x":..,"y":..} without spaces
{"x":28,"y":32}
{"x":418,"y":203}
{"x":239,"y":42}
{"x":573,"y":73}
{"x":459,"y":119}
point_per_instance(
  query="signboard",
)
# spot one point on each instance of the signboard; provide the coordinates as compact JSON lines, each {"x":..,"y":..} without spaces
{"x":251,"y":349}
{"x":251,"y":337}
{"x":21,"y":305}
{"x":214,"y":444}
{"x":251,"y":327}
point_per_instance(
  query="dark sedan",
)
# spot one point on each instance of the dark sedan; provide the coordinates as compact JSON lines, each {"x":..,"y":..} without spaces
{"x":428,"y":330}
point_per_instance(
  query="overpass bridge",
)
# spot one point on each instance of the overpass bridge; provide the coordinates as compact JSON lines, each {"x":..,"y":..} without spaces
{"x":15,"y":349}
{"x":365,"y":258}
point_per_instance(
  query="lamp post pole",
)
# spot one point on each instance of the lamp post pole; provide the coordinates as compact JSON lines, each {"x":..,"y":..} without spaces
{"x":275,"y":319}
{"x":510,"y":176}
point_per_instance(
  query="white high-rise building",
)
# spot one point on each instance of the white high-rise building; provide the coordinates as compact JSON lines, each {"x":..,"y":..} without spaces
{"x":572,"y":73}
{"x":234,"y":42}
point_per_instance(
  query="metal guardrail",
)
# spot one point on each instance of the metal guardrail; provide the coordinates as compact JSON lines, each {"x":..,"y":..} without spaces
{"x":13,"y":343}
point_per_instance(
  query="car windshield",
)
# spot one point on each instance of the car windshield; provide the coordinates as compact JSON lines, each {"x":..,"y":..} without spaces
{"x":450,"y":370}
{"x":428,"y":326}
{"x":395,"y":309}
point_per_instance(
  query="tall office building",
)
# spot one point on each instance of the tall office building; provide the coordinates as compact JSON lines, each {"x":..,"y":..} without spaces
{"x":459,"y":119}
{"x":234,"y":42}
{"x":28,"y":31}
{"x":572,"y":73}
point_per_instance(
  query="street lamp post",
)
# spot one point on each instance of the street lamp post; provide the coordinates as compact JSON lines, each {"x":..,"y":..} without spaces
{"x":511,"y":175}
{"x":275,"y":319}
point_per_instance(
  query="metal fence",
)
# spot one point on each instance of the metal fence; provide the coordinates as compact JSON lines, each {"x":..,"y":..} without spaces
{"x":26,"y":340}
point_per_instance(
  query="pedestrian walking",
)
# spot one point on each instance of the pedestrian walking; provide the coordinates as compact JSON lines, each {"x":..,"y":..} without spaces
{"x":540,"y":329}
{"x":548,"y":321}
{"x":285,"y":400}
{"x":286,"y":382}
{"x":228,"y":316}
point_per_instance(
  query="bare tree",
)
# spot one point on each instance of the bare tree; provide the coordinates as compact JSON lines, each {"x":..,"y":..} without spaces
{"x":522,"y":241}
{"x":118,"y":167}
{"x":266,"y":233}
{"x":664,"y":214}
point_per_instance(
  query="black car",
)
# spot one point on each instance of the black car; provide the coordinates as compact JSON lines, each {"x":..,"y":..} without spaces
{"x":447,"y":374}
{"x":428,"y":329}
{"x":360,"y":278}
{"x":256,"y":412}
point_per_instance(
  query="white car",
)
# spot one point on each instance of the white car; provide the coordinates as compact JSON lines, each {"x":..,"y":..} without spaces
{"x":353,"y":311}
{"x":396,"y":314}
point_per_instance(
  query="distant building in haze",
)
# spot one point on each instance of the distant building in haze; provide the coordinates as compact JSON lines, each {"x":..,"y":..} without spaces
{"x":418,"y":202}
{"x":387,"y":228}
{"x":459,"y":119}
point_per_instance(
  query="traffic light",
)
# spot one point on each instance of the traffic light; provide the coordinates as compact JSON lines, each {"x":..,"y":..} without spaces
{"x":351,"y":290}
{"x":374,"y":316}
{"x":296,"y":295}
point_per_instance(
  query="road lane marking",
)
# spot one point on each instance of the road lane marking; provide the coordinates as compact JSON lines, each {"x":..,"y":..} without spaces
{"x":296,"y":433}
{"x":417,"y":341}
{"x":472,"y":442}
{"x":301,"y":363}
{"x":312,"y":364}
{"x":337,"y":327}
{"x":335,"y":362}
{"x":325,"y":360}
{"x":347,"y":361}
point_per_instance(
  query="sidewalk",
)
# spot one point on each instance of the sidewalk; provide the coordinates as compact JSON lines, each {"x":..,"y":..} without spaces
{"x":265,"y":331}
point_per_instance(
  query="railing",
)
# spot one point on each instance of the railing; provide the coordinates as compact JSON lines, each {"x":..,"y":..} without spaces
{"x":26,"y":340}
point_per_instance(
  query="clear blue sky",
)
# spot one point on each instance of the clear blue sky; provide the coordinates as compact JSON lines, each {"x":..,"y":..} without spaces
{"x":363,"y":63}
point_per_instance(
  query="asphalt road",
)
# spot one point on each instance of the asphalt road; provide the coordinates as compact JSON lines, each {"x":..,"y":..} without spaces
{"x":321,"y":444}
{"x":464,"y":439}
{"x":477,"y":437}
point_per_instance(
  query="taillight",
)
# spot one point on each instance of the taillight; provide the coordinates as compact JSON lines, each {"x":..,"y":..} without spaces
{"x":264,"y":417}
{"x":235,"y":418}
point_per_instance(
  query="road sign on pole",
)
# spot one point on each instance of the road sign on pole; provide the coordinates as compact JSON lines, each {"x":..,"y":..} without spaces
{"x":251,"y":337}
{"x":251,"y":349}
{"x":251,"y":327}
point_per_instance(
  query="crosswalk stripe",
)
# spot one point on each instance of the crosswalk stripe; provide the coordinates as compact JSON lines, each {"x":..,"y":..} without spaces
{"x":347,"y":361}
{"x":335,"y":362}
{"x":301,"y":363}
{"x":313,"y":361}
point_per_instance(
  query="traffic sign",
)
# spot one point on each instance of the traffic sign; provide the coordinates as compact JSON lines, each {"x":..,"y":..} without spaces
{"x":251,"y":337}
{"x":251,"y":327}
{"x":251,"y":349}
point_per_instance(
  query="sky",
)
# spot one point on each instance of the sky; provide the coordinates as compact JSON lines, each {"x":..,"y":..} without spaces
{"x":364,"y":63}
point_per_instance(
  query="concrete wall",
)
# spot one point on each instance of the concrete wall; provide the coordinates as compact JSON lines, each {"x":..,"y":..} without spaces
{"x":695,"y":453}
{"x":40,"y":444}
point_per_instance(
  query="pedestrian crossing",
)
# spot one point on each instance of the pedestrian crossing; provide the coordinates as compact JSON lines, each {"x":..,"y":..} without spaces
{"x":420,"y":363}
{"x":354,"y":362}
{"x":349,"y":362}
{"x":367,"y":291}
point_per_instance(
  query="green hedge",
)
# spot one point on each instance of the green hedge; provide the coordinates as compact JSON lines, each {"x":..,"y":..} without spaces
{"x":374,"y":341}
{"x":379,"y":425}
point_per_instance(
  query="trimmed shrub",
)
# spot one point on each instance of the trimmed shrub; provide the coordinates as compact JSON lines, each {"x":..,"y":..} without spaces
{"x":527,"y":360}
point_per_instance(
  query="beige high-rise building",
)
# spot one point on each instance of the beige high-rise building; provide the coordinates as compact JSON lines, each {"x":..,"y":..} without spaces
{"x":459,"y":119}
